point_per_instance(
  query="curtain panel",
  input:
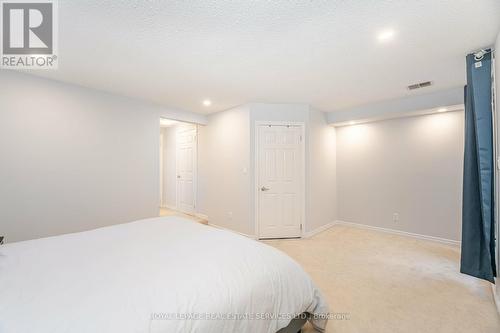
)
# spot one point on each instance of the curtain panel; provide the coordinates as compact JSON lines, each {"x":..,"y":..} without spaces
{"x":478,"y":216}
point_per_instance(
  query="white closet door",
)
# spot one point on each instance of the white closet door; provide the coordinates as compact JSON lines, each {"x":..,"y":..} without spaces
{"x":280,"y":173}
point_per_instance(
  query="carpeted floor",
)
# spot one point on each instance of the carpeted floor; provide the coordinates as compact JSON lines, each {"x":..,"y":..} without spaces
{"x":387,"y":283}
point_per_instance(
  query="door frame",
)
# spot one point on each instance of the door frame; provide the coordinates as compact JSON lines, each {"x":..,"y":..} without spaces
{"x":162,"y":166}
{"x":195,"y":170}
{"x":302,"y":181}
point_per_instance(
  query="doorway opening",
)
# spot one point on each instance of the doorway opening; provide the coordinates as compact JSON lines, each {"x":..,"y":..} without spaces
{"x":178,"y":168}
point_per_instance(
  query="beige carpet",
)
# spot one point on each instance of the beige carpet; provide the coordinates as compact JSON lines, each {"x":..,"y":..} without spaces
{"x":388,"y":283}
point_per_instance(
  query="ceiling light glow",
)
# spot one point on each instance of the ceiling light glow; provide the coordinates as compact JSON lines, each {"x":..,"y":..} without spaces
{"x":207,"y":102}
{"x":442,"y":109}
{"x":386,"y":35}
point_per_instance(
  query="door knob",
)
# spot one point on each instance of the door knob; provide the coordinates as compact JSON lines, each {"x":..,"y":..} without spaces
{"x":179,"y":176}
{"x":263,"y":189}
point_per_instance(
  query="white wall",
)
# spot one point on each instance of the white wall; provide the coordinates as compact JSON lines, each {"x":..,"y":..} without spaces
{"x":322,"y":182}
{"x":73,"y":158}
{"x":223,"y":170}
{"x":76,"y":159}
{"x":411,"y":166}
{"x":169,"y":167}
{"x":361,"y":174}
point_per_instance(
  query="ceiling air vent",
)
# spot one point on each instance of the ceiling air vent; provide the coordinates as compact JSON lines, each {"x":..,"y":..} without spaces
{"x":420,"y":85}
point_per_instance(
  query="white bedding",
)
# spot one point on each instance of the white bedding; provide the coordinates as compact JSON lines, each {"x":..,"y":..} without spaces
{"x":147,"y":276}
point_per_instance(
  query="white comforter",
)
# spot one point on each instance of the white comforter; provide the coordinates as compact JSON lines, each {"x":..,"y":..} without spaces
{"x":151,"y":276}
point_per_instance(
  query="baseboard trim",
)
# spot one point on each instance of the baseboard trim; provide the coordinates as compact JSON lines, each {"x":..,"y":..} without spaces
{"x":318,"y":230}
{"x":399,"y":232}
{"x":195,"y":214}
{"x":169,"y":207}
{"x":201,"y":216}
{"x":230,"y":230}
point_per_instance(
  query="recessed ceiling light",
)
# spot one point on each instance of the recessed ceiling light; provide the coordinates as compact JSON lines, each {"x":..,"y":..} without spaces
{"x":207,"y":102}
{"x":386,"y":35}
{"x":442,"y":109}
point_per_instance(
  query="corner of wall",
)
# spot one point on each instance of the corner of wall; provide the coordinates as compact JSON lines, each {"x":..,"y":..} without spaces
{"x":321,"y":157}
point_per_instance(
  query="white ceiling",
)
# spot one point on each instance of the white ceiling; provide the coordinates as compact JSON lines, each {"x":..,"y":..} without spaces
{"x":321,"y":52}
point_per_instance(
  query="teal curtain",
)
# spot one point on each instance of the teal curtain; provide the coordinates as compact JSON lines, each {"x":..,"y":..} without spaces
{"x":478,"y":218}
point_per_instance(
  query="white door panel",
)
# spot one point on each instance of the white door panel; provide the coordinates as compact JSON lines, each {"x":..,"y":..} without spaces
{"x":186,"y":168}
{"x":280,"y":179}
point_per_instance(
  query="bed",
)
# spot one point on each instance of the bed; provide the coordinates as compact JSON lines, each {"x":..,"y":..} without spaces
{"x":157,"y":275}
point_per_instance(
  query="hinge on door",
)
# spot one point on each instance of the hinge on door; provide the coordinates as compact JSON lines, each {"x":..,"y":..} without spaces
{"x":301,"y":227}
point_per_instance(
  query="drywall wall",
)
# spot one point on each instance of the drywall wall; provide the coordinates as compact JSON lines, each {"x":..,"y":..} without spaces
{"x":410,"y":166}
{"x":169,"y":167}
{"x":73,"y":158}
{"x":223,"y":170}
{"x":321,"y":198}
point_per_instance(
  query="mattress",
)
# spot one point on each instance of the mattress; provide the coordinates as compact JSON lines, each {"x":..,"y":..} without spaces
{"x":156,"y":275}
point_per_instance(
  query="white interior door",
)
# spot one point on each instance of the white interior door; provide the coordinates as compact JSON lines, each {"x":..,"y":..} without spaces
{"x":280,"y":179}
{"x":186,"y":168}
